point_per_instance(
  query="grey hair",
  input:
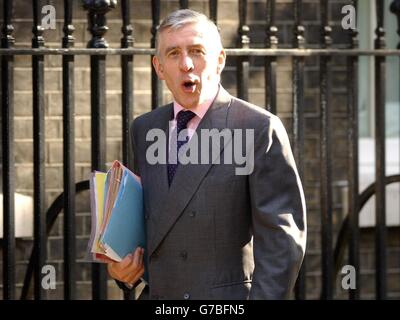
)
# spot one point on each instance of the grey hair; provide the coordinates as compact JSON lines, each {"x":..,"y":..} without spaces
{"x":179,"y":18}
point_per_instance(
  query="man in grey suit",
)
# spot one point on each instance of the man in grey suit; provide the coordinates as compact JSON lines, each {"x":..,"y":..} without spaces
{"x":215,"y":230}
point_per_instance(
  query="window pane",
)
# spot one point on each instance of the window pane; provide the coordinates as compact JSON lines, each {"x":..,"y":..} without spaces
{"x":392,"y":76}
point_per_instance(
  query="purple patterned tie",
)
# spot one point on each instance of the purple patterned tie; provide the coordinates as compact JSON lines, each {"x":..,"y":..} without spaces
{"x":182,"y":120}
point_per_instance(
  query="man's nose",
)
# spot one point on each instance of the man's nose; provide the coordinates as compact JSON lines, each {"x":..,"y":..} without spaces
{"x":186,"y":63}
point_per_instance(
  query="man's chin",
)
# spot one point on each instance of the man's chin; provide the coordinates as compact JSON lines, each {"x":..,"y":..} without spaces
{"x":189,"y":103}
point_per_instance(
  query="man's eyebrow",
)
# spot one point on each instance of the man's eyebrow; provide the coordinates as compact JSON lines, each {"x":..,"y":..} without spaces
{"x":168,"y":49}
{"x":197,"y":46}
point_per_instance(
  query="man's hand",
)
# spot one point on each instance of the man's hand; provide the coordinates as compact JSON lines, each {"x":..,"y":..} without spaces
{"x":130,"y":269}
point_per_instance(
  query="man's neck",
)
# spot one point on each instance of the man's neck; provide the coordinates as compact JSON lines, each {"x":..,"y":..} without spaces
{"x":201,"y":108}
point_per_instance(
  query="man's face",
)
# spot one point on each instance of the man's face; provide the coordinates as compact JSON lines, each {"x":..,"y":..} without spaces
{"x":190,"y":60}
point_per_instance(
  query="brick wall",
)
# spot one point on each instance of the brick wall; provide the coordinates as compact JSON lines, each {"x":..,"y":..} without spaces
{"x":141,"y":20}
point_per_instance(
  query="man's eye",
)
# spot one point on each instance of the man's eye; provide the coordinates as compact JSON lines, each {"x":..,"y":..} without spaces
{"x":197,"y":51}
{"x":173,"y":53}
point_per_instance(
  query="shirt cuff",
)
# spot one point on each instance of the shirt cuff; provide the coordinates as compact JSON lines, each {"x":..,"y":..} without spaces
{"x":127,"y":286}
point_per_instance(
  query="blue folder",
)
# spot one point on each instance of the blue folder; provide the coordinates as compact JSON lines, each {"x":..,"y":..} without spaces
{"x":126,"y":229}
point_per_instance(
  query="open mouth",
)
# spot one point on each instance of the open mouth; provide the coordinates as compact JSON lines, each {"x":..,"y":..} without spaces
{"x":189,"y":85}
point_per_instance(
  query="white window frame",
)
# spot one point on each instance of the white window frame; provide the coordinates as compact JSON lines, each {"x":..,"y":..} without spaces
{"x":366,"y":26}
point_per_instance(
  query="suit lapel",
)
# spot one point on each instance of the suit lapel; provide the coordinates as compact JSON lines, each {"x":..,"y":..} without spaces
{"x":157,"y":174}
{"x":188,"y":177}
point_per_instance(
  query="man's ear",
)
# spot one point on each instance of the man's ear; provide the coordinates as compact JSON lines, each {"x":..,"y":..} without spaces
{"x":158,"y":67}
{"x":221,"y":61}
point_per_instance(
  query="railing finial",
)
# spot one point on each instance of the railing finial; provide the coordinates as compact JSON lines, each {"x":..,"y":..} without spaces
{"x":37,"y":29}
{"x":68,"y":39}
{"x":97,"y":10}
{"x":272,"y":29}
{"x":299,"y":30}
{"x":127,"y":39}
{"x":244,"y":29}
{"x":326,"y":32}
{"x":380,"y":42}
{"x":7,"y":39}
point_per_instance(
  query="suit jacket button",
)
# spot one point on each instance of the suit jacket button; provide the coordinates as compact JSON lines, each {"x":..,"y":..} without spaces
{"x":154,"y":255}
{"x":183,"y":255}
{"x":192,"y":214}
{"x":186,"y":296}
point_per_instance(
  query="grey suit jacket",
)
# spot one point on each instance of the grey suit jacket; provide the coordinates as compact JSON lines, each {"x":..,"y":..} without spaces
{"x":214,"y":234}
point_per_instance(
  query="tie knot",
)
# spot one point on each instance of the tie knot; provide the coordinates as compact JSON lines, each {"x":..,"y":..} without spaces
{"x":183,"y":118}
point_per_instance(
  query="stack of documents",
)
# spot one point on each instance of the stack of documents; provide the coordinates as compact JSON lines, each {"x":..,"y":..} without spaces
{"x":118,"y":224}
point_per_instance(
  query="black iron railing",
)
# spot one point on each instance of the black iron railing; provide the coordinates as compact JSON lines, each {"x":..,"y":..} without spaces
{"x":7,"y":117}
{"x":69,"y":156}
{"x":98,"y":51}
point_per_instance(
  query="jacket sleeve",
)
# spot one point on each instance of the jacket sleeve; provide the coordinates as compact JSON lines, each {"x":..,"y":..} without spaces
{"x":278,"y":214}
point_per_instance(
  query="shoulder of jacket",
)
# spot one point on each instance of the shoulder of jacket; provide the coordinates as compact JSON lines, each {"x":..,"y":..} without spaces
{"x":250,"y":115}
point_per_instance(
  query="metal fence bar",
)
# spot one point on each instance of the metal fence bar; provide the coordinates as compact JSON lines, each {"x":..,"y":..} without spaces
{"x":213,"y":4}
{"x":69,"y":157}
{"x":243,"y":67}
{"x":380,"y":197}
{"x":38,"y":151}
{"x":156,"y":84}
{"x":8,"y":165}
{"x":127,"y":41}
{"x":127,"y":83}
{"x":352,"y":109}
{"x":298,"y":121}
{"x":98,"y":129}
{"x":97,"y":27}
{"x":271,"y":62}
{"x":326,"y":159}
{"x":183,"y":4}
{"x":395,"y":9}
